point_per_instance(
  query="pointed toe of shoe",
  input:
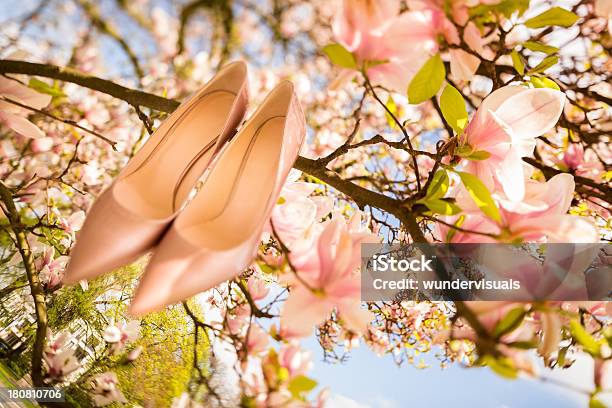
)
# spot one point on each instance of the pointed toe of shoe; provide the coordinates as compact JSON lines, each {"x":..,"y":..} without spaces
{"x":178,"y":270}
{"x":111,"y":237}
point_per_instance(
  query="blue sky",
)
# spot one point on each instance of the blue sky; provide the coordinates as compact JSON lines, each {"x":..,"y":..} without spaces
{"x":370,"y":381}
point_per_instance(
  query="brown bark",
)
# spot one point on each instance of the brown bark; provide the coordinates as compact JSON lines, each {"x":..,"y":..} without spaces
{"x":36,"y":288}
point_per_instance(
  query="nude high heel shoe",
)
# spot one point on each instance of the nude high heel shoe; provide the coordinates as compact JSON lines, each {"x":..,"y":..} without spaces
{"x":129,"y":218}
{"x":217,"y":235}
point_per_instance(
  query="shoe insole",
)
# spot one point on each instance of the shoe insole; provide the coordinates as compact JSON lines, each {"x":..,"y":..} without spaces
{"x":232,"y":202}
{"x":162,"y":182}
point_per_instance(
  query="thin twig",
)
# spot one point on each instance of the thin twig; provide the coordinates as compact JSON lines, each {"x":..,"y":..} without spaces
{"x":66,"y":121}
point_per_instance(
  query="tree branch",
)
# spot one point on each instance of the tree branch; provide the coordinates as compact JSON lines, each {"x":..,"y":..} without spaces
{"x":131,"y":96}
{"x":36,"y":288}
{"x":97,"y":21}
{"x":66,"y":121}
{"x":361,"y":196}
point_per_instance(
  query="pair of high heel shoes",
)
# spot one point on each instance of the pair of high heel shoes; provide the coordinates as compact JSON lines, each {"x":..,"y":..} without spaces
{"x":202,"y":242}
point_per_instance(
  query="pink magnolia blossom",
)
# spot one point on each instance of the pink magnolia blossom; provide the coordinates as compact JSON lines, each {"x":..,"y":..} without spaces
{"x":105,"y":389}
{"x":489,"y":313}
{"x":51,"y":270}
{"x":326,"y":140}
{"x":505,"y":126}
{"x":559,"y":275}
{"x":257,"y":288}
{"x":257,"y":340}
{"x":238,"y":320}
{"x":14,"y":116}
{"x":330,"y":273}
{"x":119,"y":335}
{"x":398,"y":44}
{"x":440,"y":23}
{"x":43,"y":144}
{"x":295,"y":212}
{"x":134,"y":354}
{"x":459,"y":12}
{"x":603,"y":374}
{"x":74,"y":222}
{"x":294,"y":359}
{"x":462,"y":63}
{"x":542,"y":215}
{"x":585,"y":164}
{"x":551,"y":325}
{"x":59,"y":358}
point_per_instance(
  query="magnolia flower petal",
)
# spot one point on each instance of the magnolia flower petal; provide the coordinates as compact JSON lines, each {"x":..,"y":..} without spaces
{"x":551,"y":333}
{"x":560,"y":193}
{"x":112,"y":334}
{"x":473,"y":38}
{"x":325,"y":247}
{"x":558,"y":228}
{"x":393,"y":75}
{"x":302,"y":312}
{"x":499,"y":96}
{"x":76,"y":220}
{"x":486,"y":131}
{"x":21,"y":125}
{"x":409,"y":35}
{"x":357,"y":20}
{"x":511,"y":176}
{"x":355,"y":317}
{"x":463,"y":65}
{"x":532,"y":112}
{"x":15,"y":90}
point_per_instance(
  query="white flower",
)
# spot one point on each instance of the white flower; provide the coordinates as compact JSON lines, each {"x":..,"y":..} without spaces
{"x":105,"y":389}
{"x":59,"y":359}
{"x":120,"y":335}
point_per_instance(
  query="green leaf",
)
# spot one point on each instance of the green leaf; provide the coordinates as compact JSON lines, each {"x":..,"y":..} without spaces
{"x":510,"y":322}
{"x":340,"y":56}
{"x":372,"y":63}
{"x":478,"y":155}
{"x":392,"y":106}
{"x":555,"y":16}
{"x":438,"y":186}
{"x":523,"y":345}
{"x":595,"y":403}
{"x":427,"y":81}
{"x":562,"y":356}
{"x":453,"y":108}
{"x":544,"y":65}
{"x":480,"y":194}
{"x":588,"y":342}
{"x":505,"y":7}
{"x":45,"y":88}
{"x":265,"y":268}
{"x":539,"y":47}
{"x":442,"y":207}
{"x":300,"y":385}
{"x":451,"y":231}
{"x":517,"y":62}
{"x":508,"y":7}
{"x":543,"y":82}
{"x":502,"y":366}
